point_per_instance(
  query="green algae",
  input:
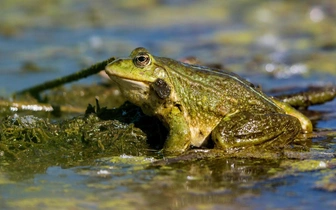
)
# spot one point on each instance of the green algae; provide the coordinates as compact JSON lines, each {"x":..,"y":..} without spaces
{"x":305,"y":165}
{"x":31,"y":144}
{"x":328,"y":181}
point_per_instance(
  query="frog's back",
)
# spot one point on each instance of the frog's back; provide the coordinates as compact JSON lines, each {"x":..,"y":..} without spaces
{"x":218,"y":91}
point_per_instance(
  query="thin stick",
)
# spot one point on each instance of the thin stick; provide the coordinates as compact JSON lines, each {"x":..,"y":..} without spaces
{"x":94,"y":69}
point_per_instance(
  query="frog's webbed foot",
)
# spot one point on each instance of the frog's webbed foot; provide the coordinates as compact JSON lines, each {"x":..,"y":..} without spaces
{"x":244,"y":129}
{"x":175,"y":146}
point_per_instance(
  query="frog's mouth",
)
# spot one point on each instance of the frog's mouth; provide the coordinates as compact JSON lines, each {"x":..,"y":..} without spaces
{"x":130,"y":85}
{"x":117,"y":78}
{"x":135,"y":82}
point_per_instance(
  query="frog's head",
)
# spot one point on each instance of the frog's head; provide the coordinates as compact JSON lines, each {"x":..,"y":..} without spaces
{"x":138,"y":73}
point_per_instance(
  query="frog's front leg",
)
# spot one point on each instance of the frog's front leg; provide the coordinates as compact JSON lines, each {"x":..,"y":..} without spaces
{"x":179,"y":137}
{"x":244,"y":129}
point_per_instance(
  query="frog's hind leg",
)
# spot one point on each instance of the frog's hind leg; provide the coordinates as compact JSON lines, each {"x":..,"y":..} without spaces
{"x":244,"y":129}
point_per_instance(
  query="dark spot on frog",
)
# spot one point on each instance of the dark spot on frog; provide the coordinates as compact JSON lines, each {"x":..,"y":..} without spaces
{"x":161,"y":88}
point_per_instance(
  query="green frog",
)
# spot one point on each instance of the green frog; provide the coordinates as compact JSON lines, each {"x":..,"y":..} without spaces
{"x":198,"y":103}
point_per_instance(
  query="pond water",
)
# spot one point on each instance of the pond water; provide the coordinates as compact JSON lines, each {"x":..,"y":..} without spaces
{"x":276,"y":44}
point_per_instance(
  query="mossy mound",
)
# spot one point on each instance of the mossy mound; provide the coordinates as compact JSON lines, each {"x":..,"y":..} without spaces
{"x":29,"y":143}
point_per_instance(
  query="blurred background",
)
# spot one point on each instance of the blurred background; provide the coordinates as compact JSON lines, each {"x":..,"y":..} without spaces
{"x":292,"y":42}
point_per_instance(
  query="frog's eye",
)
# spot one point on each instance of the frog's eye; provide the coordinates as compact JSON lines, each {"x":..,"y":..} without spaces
{"x":142,"y":60}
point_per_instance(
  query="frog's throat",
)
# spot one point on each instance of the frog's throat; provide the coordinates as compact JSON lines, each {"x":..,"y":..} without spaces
{"x":136,"y":92}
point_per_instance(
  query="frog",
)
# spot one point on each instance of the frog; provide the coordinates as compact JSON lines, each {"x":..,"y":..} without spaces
{"x":198,"y":104}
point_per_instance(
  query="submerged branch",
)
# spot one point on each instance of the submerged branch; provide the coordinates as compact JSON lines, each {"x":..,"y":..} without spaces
{"x":38,"y":107}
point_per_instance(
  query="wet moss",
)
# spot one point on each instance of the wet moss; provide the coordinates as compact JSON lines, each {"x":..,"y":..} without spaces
{"x":328,"y":181}
{"x":31,"y":144}
{"x":304,"y":165}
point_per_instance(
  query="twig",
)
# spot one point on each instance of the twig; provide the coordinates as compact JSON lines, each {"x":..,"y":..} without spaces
{"x":94,"y":69}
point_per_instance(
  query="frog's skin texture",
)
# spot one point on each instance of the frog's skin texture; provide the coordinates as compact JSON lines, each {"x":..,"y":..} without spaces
{"x":197,"y":103}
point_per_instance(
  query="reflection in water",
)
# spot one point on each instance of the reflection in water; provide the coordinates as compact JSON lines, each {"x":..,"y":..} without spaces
{"x":174,"y":186}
